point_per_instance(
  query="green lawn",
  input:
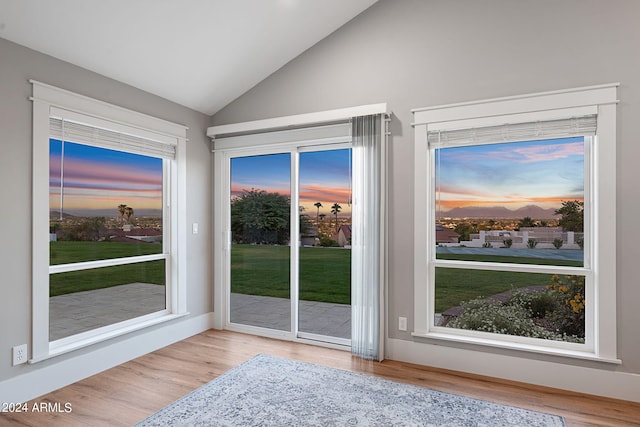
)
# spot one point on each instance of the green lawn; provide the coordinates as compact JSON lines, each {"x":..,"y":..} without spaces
{"x":68,"y":252}
{"x":85,"y":280}
{"x":325,"y":273}
{"x":454,"y":286}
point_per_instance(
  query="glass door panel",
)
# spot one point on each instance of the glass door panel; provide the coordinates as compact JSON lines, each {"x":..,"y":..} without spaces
{"x":260,"y":205}
{"x":324,"y":306}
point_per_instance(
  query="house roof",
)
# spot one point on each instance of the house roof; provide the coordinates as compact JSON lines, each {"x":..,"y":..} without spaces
{"x":346,"y":230}
{"x":446,"y":235}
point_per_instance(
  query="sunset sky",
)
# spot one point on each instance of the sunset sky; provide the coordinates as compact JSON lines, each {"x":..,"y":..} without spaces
{"x":511,"y":175}
{"x":97,"y":180}
{"x":324,"y":177}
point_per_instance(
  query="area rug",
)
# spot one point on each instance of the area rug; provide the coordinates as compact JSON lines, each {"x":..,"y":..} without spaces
{"x":271,"y":391}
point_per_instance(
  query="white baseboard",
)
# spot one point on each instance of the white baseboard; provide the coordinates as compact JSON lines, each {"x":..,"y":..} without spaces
{"x":605,"y":382}
{"x":56,"y":373}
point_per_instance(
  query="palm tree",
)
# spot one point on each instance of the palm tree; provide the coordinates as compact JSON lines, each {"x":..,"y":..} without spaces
{"x":122,"y":209}
{"x":322,"y":217}
{"x":317,"y":205}
{"x":128,"y":211}
{"x":335,"y":208}
{"x":527,"y":221}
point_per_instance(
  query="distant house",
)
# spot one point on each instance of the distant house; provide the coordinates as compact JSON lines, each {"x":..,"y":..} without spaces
{"x":309,"y":237}
{"x":147,"y":235}
{"x":446,"y":235}
{"x":344,"y":235}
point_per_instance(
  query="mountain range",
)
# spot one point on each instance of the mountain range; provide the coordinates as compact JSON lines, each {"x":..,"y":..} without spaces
{"x":497,"y":212}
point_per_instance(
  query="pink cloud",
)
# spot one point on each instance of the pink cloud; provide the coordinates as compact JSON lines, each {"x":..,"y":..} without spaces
{"x":538,"y":153}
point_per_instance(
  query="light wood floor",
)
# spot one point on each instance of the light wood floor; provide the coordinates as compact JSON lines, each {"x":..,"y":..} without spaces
{"x":132,"y":391}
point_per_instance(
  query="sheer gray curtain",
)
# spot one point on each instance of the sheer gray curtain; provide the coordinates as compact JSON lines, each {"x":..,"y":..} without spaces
{"x":367,"y":252}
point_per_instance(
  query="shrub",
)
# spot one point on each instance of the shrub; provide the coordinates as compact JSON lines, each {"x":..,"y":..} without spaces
{"x":569,"y":316}
{"x":580,"y":242}
{"x":531,"y":243}
{"x":487,"y":245}
{"x":507,"y":243}
{"x":327,"y":242}
{"x":545,"y":314}
{"x":493,"y":316}
{"x":539,"y":303}
{"x":557,"y":243}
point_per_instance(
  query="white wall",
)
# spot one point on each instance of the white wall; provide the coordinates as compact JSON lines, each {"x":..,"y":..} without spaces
{"x":419,"y":53}
{"x":17,"y":66}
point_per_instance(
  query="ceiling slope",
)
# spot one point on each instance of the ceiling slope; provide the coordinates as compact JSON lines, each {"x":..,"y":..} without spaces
{"x":202,"y":54}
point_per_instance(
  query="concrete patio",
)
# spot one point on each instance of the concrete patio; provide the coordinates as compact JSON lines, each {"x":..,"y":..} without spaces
{"x":82,"y":311}
{"x":316,"y":317}
{"x":78,"y":312}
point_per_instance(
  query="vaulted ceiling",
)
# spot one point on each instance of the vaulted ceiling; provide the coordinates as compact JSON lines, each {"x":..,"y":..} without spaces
{"x":199,"y":53}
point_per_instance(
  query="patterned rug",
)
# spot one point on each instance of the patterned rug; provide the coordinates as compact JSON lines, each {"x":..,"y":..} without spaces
{"x":270,"y":391}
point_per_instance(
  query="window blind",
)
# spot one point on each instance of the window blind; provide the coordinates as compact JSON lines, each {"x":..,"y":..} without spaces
{"x":70,"y":131}
{"x":513,"y":132}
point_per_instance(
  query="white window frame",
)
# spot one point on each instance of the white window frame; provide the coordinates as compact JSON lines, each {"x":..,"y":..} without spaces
{"x":322,"y":130}
{"x":600,"y":253}
{"x":49,"y":101}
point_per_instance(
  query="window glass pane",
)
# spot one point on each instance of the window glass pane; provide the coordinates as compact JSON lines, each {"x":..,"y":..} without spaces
{"x":533,"y":305}
{"x":260,"y":234}
{"x":103,"y":204}
{"x":98,"y":197}
{"x":325,"y":240}
{"x":87,"y":299}
{"x":518,"y":202}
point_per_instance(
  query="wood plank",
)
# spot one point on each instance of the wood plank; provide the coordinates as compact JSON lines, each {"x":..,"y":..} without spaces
{"x":128,"y":393}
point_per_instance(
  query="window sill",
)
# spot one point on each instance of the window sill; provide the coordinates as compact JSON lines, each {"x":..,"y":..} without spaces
{"x":563,"y":352}
{"x":67,"y":345}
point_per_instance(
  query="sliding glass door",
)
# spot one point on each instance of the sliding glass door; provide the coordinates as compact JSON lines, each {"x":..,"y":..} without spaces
{"x":324,"y":306}
{"x":260,"y":229}
{"x":289,"y":222}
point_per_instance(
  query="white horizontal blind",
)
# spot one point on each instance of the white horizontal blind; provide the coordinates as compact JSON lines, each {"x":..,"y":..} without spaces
{"x":70,"y":131}
{"x":513,"y":132}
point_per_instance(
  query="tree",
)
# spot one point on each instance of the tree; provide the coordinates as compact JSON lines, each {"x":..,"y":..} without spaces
{"x":305,"y":222}
{"x":258,"y":216}
{"x":318,"y":205}
{"x":527,"y":221}
{"x":464,"y":230}
{"x":572,"y":218}
{"x":335,"y":208}
{"x":128,"y":211}
{"x":122,"y":209}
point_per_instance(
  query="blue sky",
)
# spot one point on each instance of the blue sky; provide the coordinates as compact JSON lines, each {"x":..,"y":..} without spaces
{"x":512,"y":175}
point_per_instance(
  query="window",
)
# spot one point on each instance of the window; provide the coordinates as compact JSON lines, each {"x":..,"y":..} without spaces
{"x":515,"y":223}
{"x":107,"y":188}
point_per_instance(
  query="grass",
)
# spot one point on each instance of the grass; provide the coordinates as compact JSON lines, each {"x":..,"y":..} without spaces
{"x":97,"y":278}
{"x":454,"y":286}
{"x":325,"y":273}
{"x":68,"y":252}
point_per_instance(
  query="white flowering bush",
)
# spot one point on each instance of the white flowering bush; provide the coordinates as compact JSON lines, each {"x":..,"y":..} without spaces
{"x":525,"y":313}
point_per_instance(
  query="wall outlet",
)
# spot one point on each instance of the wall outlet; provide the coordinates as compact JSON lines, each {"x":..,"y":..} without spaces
{"x":19,"y":354}
{"x":402,"y":323}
